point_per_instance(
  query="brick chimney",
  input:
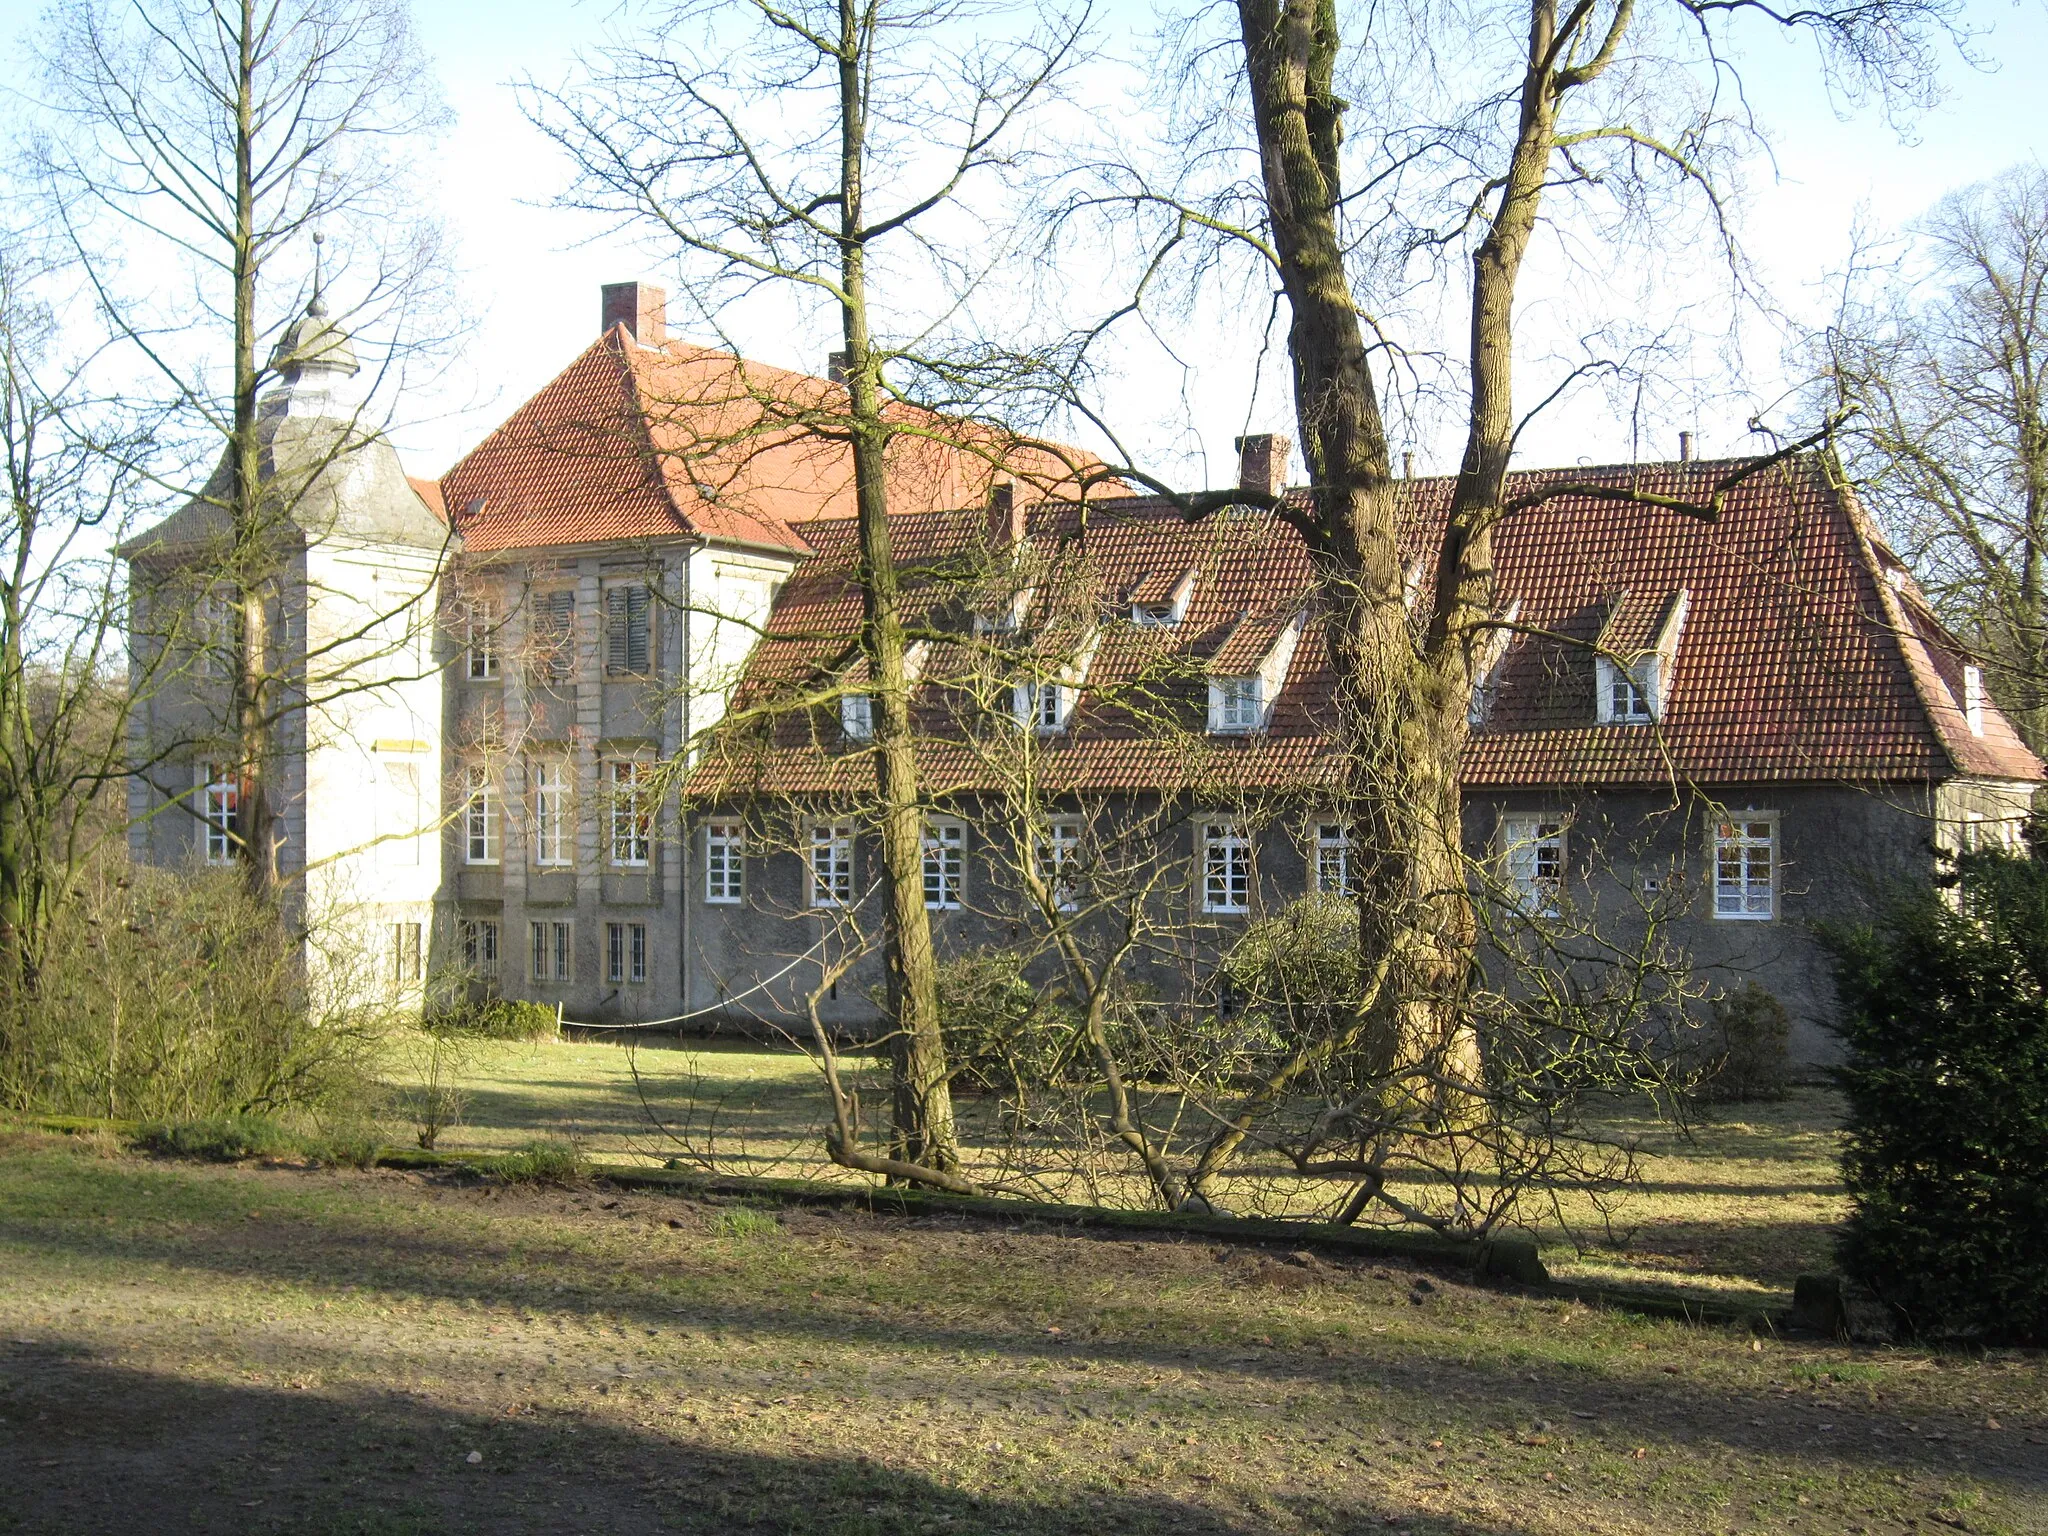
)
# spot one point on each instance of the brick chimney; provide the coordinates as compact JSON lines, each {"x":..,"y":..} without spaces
{"x":1262,"y":464}
{"x":641,"y":308}
{"x":1005,"y":515}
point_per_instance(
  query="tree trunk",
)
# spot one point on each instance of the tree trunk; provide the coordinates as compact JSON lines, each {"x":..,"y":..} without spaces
{"x":923,"y":1102}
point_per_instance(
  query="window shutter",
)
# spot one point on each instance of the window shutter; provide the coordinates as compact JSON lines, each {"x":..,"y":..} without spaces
{"x":626,"y":629}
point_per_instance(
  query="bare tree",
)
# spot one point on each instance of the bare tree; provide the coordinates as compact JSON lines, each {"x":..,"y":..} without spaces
{"x":832,"y":151}
{"x":1938,"y":359}
{"x":202,"y":142}
{"x":1539,"y":107}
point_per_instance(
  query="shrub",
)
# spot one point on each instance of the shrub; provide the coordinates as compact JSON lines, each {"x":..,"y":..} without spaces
{"x":540,"y":1162}
{"x":223,"y":1138}
{"x":1745,"y":1049}
{"x":495,"y":1018}
{"x":1946,"y":1158}
{"x":999,"y":1029}
{"x":172,"y":996}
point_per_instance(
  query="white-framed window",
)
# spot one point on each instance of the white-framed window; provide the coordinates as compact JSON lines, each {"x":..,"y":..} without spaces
{"x":831,"y":864}
{"x":628,"y":630}
{"x":554,"y":832}
{"x":725,"y":855}
{"x":1333,"y":858}
{"x":1058,"y":853}
{"x":625,"y":952}
{"x":1746,"y":866}
{"x":945,"y":864}
{"x":480,"y":640}
{"x":630,"y":793}
{"x":220,"y":797}
{"x":554,"y":950}
{"x":399,"y":812}
{"x":406,"y":962}
{"x":1973,"y":699}
{"x":857,"y":716}
{"x":479,"y":816}
{"x":1236,"y":704}
{"x":479,"y":938}
{"x":1978,"y":833}
{"x":552,"y":632}
{"x":1042,"y":707}
{"x":1534,"y":845}
{"x":1627,"y":694}
{"x":1226,"y":868}
{"x":1153,"y":615}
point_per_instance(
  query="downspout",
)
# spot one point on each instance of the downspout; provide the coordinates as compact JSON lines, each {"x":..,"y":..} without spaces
{"x":683,"y":838}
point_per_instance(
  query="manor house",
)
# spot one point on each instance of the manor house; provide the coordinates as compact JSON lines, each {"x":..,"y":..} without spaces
{"x":638,"y":594}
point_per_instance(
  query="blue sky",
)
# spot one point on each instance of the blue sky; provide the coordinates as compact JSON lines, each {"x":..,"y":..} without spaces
{"x":531,"y":273}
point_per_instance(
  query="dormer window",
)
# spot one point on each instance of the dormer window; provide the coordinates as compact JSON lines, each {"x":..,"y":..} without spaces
{"x":1634,"y":669}
{"x":1628,"y":697}
{"x":1008,"y":619}
{"x":1155,"y":612}
{"x":1042,"y":707}
{"x":1236,"y":705}
{"x":857,"y":716}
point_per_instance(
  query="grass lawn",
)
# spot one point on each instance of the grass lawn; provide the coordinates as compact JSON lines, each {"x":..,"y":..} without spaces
{"x":190,"y":1347}
{"x":1737,"y":1211}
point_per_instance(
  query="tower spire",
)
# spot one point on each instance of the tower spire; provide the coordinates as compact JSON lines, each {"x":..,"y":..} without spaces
{"x":318,"y":307}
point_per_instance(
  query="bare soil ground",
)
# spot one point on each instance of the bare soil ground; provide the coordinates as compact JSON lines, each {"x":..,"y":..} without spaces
{"x":188,"y":1347}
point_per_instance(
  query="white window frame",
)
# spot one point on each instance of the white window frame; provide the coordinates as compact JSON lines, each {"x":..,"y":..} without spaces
{"x":830,"y":877}
{"x":1628,"y":695}
{"x":1237,"y":705}
{"x":553,"y":950}
{"x":1533,"y":852}
{"x":630,"y":817}
{"x":480,"y":640}
{"x":1226,"y":869}
{"x":1042,"y":708}
{"x":945,"y":865}
{"x":857,"y":716}
{"x":1057,"y":852}
{"x":1332,"y":852}
{"x":479,"y":939}
{"x":725,"y":854}
{"x":220,"y":813}
{"x":1737,"y":838}
{"x":480,"y":841}
{"x":554,"y":820}
{"x":408,"y":953}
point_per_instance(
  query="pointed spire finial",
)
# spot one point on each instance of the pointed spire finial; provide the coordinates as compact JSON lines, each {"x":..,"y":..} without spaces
{"x":318,"y":308}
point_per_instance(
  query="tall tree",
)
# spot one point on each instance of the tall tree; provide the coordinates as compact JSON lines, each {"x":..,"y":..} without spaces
{"x":202,"y":142}
{"x":833,"y":151}
{"x":1939,"y":361}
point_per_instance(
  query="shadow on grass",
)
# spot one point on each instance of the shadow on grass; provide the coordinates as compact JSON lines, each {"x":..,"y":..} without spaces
{"x":686,"y":1280}
{"x":90,"y":1447}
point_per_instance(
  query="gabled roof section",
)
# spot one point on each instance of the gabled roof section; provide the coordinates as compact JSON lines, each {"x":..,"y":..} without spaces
{"x":639,"y":442}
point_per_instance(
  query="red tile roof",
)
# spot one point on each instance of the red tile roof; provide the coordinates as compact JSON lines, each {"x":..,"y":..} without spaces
{"x":634,"y":442}
{"x":1800,"y":660}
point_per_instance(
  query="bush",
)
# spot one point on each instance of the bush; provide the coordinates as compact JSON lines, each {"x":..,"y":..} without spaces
{"x":999,"y":1029}
{"x":1745,"y":1050}
{"x":495,"y":1018}
{"x":222,"y":1138}
{"x":1946,"y":1159}
{"x":173,"y":996}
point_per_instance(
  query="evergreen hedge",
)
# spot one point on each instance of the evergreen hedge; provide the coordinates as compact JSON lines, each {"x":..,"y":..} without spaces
{"x":1945,"y":1007}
